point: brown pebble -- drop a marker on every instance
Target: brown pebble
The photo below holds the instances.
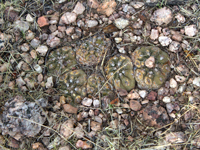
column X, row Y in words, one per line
column 152, row 96
column 70, row 109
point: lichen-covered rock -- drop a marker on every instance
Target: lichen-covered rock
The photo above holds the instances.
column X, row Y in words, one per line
column 91, row 51
column 119, row 70
column 22, row 118
column 74, row 85
column 61, row 60
column 95, row 83
column 150, row 77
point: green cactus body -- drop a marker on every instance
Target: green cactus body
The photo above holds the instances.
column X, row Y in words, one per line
column 119, row 70
column 91, row 51
column 74, row 85
column 96, row 83
column 61, row 60
column 150, row 77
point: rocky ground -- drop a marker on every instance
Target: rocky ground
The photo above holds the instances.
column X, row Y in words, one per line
column 99, row 74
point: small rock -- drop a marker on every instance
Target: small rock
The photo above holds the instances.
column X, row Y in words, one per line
column 29, row 18
column 68, row 18
column 67, row 128
column 70, row 109
column 13, row 143
column 25, row 47
column 155, row 116
column 122, row 92
column 95, row 126
column 196, row 81
column 118, row 39
column 4, row 67
column 29, row 35
column 49, row 83
column 42, row 21
column 40, row 78
column 150, row 62
column 180, row 18
column 173, row 83
column 93, row 4
column 162, row 16
column 54, row 143
column 177, row 37
column 33, row 54
column 107, row 7
column 114, row 124
column 174, row 46
column 152, row 96
column 38, row 68
column 96, row 103
column 164, row 40
column 191, row 30
column 38, row 146
column 65, row 148
column 119, row 111
column 79, row 8
column 180, row 79
column 35, row 43
column 91, row 23
column 23, row 26
column 20, row 82
column 133, row 95
column 166, row 99
column 137, row 5
column 143, row 93
column 188, row 115
column 135, row 105
column 154, row 34
column 83, row 144
column 42, row 50
column 87, row 102
column 183, row 70
column 175, row 137
column 53, row 28
column 69, row 30
column 79, row 132
column 121, row 23
column 53, row 41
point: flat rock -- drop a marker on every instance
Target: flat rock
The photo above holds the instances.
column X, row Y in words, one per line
column 42, row 21
column 68, row 18
column 83, row 144
column 174, row 46
column 135, row 105
column 96, row 126
column 42, row 50
column 67, row 128
column 155, row 116
column 79, row 8
column 154, row 34
column 152, row 96
column 87, row 102
column 121, row 23
column 196, row 81
column 70, row 109
column 91, row 23
column 164, row 40
column 191, row 30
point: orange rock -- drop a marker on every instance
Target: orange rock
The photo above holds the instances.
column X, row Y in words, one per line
column 70, row 109
column 107, row 7
column 43, row 21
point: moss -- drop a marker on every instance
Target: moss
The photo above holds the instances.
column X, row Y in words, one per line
column 119, row 70
column 150, row 78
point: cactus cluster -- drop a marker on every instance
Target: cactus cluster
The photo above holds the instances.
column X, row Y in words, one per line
column 119, row 70
column 91, row 51
column 61, row 60
column 152, row 67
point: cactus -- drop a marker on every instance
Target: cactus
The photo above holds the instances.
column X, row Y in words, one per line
column 152, row 67
column 91, row 51
column 119, row 70
column 95, row 83
column 61, row 60
column 74, row 85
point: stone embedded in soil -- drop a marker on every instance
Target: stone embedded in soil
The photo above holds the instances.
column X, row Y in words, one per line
column 25, row 47
column 135, row 105
column 53, row 41
column 107, row 7
column 166, row 99
column 42, row 50
column 49, row 83
column 42, row 21
column 114, row 124
column 177, row 37
column 79, row 8
column 23, row 26
column 180, row 79
column 174, row 46
column 79, row 132
column 68, row 18
column 122, row 92
column 152, row 96
column 176, row 137
column 143, row 93
column 67, row 128
column 29, row 18
column 70, row 109
column 196, row 81
column 133, row 95
column 191, row 30
column 180, row 18
column 162, row 16
column 83, row 144
column 164, row 40
column 96, row 126
column 21, row 108
column 96, row 103
column 154, row 34
column 87, row 102
column 173, row 83
column 93, row 3
column 35, row 43
column 155, row 116
column 183, row 70
column 121, row 23
column 91, row 23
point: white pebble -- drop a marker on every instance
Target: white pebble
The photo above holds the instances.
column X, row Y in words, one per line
column 166, row 99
